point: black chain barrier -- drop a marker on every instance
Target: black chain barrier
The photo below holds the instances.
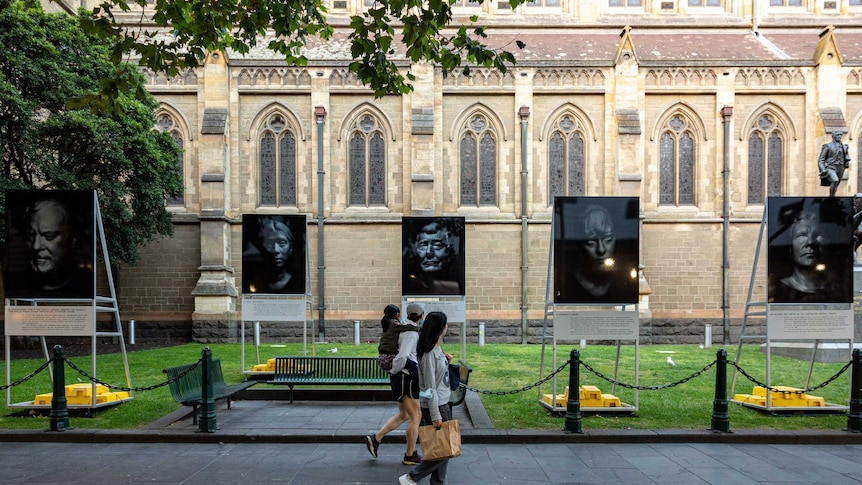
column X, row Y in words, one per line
column 806, row 390
column 28, row 377
column 654, row 387
column 648, row 388
column 479, row 391
column 127, row 389
column 525, row 388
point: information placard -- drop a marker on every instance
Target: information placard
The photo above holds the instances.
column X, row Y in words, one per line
column 796, row 322
column 596, row 325
column 455, row 310
column 273, row 309
column 51, row 321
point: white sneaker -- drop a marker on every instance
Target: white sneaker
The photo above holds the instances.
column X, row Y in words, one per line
column 405, row 480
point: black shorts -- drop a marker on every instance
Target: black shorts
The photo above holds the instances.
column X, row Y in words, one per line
column 404, row 385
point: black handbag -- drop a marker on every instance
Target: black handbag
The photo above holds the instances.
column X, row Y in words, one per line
column 454, row 377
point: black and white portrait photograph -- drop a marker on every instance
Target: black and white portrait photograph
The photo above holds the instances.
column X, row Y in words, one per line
column 273, row 254
column 810, row 250
column 49, row 244
column 596, row 250
column 432, row 256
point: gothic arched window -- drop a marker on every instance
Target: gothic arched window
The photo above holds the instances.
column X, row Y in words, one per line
column 478, row 155
column 566, row 158
column 277, row 163
column 165, row 122
column 676, row 162
column 367, row 162
column 765, row 159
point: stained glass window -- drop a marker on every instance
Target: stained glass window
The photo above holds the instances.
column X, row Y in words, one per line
column 765, row 159
column 755, row 168
column 165, row 122
column 277, row 163
column 478, row 154
column 367, row 163
column 676, row 163
column 566, row 159
column 469, row 169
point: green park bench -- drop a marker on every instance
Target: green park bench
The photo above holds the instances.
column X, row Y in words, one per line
column 186, row 385
column 346, row 371
column 328, row 371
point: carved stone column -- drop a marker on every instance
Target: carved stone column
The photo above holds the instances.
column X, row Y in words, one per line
column 215, row 318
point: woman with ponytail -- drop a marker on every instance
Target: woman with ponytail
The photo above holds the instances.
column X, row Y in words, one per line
column 433, row 377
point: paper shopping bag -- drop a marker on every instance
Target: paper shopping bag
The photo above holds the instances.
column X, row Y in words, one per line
column 440, row 444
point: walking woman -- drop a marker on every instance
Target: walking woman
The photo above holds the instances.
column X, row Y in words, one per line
column 400, row 339
column 434, row 375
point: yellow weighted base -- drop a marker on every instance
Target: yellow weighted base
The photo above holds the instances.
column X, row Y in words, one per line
column 780, row 396
column 268, row 367
column 82, row 394
column 590, row 397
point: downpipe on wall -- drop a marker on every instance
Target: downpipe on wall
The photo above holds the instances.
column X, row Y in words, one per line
column 320, row 115
column 524, row 114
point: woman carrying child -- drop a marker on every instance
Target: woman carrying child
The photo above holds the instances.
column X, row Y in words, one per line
column 398, row 349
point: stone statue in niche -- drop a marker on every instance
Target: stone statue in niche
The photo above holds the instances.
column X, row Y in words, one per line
column 834, row 158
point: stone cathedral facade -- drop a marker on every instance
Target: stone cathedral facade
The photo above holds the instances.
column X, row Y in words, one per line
column 700, row 108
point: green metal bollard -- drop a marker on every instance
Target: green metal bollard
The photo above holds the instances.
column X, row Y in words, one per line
column 207, row 417
column 573, row 405
column 854, row 415
column 720, row 415
column 59, row 418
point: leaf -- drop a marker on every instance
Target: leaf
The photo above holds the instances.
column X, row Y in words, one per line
column 199, row 27
column 94, row 129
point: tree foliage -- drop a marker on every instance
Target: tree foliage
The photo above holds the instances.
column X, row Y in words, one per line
column 47, row 64
column 201, row 26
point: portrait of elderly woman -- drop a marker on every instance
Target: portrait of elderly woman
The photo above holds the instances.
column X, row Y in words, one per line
column 49, row 244
column 810, row 250
column 596, row 250
column 273, row 256
column 432, row 256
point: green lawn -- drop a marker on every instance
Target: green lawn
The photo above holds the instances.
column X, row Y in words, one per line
column 504, row 374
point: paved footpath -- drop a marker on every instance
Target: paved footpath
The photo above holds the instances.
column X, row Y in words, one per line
column 342, row 463
column 309, row 443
